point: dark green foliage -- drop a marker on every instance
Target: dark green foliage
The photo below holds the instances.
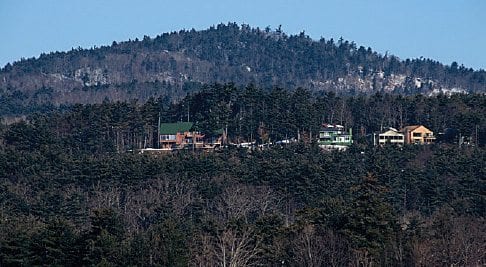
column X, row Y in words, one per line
column 369, row 220
column 103, row 243
column 73, row 190
column 55, row 244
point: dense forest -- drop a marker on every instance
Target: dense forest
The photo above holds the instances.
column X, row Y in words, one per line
column 74, row 191
column 264, row 115
column 173, row 64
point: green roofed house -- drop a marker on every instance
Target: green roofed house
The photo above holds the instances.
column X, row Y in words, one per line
column 333, row 136
column 178, row 135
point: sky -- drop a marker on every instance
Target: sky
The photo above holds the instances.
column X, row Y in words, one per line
column 443, row 30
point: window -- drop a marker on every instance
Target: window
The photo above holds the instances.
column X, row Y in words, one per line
column 167, row 137
column 417, row 134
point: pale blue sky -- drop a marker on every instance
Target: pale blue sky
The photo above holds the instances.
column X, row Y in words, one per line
column 443, row 30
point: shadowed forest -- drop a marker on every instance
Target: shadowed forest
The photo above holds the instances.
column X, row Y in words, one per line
column 74, row 191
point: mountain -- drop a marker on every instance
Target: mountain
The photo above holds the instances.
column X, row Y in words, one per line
column 173, row 64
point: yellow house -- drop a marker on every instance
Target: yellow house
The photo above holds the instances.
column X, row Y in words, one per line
column 418, row 134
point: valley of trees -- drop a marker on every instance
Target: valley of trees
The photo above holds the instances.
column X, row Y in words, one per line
column 73, row 190
column 173, row 64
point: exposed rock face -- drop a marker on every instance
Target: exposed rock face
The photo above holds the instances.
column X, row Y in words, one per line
column 378, row 82
column 163, row 66
column 91, row 76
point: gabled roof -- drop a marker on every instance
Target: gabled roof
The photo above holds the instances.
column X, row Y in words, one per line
column 409, row 128
column 413, row 128
column 391, row 133
column 176, row 127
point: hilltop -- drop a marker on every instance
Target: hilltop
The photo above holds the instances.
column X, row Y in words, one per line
column 172, row 64
column 75, row 191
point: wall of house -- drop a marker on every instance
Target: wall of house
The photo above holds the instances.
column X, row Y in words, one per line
column 393, row 139
column 418, row 135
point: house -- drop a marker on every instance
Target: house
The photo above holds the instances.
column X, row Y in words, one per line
column 418, row 134
column 179, row 135
column 392, row 136
column 334, row 136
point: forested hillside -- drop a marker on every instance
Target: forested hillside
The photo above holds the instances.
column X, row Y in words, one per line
column 68, row 198
column 76, row 191
column 255, row 114
column 172, row 64
column 73, row 190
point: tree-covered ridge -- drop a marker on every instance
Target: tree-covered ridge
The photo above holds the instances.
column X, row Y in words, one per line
column 73, row 190
column 296, row 204
column 225, row 53
column 255, row 114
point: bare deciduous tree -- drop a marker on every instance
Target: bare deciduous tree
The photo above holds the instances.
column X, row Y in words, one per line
column 230, row 248
column 320, row 249
column 451, row 241
column 242, row 202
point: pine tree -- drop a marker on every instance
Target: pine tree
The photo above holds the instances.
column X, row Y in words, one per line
column 370, row 221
